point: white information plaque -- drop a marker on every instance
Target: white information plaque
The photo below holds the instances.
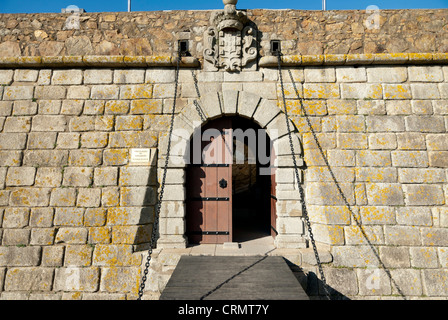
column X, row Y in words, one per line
column 140, row 155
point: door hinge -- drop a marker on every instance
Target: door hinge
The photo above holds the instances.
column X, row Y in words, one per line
column 213, row 165
column 209, row 233
column 208, row 199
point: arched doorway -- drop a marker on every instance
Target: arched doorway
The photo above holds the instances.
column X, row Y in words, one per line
column 263, row 112
column 229, row 182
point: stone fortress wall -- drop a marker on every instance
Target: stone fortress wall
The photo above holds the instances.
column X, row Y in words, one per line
column 76, row 215
column 156, row 33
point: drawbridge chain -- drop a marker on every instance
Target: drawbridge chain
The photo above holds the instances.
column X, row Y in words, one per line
column 195, row 102
column 338, row 187
column 301, row 191
column 162, row 187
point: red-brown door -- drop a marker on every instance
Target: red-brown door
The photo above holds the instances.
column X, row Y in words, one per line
column 209, row 187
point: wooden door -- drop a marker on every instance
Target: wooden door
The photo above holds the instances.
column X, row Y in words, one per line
column 209, row 187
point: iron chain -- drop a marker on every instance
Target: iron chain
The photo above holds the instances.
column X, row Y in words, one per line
column 155, row 227
column 301, row 191
column 338, row 187
column 195, row 102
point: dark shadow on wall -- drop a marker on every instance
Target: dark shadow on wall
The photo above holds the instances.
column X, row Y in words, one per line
column 148, row 207
column 312, row 285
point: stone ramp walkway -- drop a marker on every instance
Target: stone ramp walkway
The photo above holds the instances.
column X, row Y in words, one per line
column 233, row 278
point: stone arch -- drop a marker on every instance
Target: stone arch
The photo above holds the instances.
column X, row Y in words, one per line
column 268, row 116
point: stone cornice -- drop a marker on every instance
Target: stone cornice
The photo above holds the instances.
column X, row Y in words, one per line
column 191, row 62
column 96, row 61
column 355, row 59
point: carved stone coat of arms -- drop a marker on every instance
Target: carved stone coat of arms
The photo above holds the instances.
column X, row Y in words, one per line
column 230, row 43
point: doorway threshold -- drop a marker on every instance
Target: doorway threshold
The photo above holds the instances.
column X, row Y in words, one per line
column 255, row 247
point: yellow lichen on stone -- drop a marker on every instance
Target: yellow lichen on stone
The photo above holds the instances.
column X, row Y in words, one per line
column 396, row 91
column 135, row 61
column 159, row 60
column 8, row 61
column 321, row 91
column 335, row 59
column 116, row 107
column 146, row 106
column 29, row 61
column 296, row 59
column 420, row 57
column 440, row 57
column 377, row 215
column 72, row 60
column 137, row 91
column 115, row 157
column 100, row 235
column 113, row 255
column 364, row 234
column 103, row 60
column 390, row 58
column 360, row 58
column 330, row 234
column 312, row 60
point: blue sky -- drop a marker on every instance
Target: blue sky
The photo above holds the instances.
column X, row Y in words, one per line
column 33, row 6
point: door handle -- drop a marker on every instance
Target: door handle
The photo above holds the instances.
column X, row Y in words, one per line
column 223, row 183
